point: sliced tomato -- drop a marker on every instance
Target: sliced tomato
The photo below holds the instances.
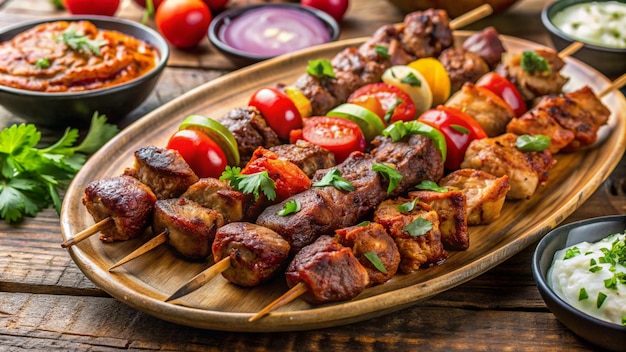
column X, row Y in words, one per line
column 217, row 132
column 506, row 90
column 459, row 130
column 398, row 105
column 279, row 111
column 370, row 123
column 204, row 156
column 288, row 178
column 340, row 136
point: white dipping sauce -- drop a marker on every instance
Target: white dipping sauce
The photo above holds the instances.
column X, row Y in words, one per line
column 599, row 23
column 584, row 274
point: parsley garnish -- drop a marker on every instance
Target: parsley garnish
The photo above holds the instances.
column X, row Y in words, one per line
column 375, row 260
column 411, row 80
column 291, row 206
column 82, row 43
column 428, row 185
column 382, row 51
column 363, row 223
column 42, row 63
column 320, row 68
column 32, row 177
column 333, row 178
column 407, row 207
column 418, row 227
column 390, row 174
column 250, row 183
column 532, row 62
column 534, row 143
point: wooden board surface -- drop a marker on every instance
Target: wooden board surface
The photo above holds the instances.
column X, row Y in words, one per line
column 145, row 282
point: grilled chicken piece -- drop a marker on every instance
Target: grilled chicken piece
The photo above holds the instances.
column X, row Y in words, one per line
column 492, row 113
column 570, row 120
column 329, row 270
column 462, row 66
column 250, row 131
column 372, row 239
column 417, row 248
column 256, row 253
column 218, row 195
column 307, row 156
column 451, row 207
column 486, row 44
column 485, row 193
column 499, row 157
column 325, row 209
column 163, row 170
column 190, row 227
column 536, row 84
column 125, row 200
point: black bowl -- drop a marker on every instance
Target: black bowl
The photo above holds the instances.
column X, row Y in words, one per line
column 599, row 332
column 609, row 61
column 242, row 58
column 64, row 109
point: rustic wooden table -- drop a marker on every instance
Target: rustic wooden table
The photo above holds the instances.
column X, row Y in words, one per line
column 46, row 303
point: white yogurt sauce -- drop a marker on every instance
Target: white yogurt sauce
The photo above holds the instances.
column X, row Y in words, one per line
column 599, row 23
column 580, row 279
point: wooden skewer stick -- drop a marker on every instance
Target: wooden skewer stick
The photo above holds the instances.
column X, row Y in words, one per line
column 146, row 247
column 570, row 49
column 293, row 293
column 471, row 16
column 617, row 84
column 199, row 280
column 100, row 225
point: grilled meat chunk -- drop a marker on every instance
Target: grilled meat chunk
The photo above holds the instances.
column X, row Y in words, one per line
column 451, row 207
column 484, row 193
column 417, row 248
column 462, row 66
column 416, row 158
column 492, row 113
column 315, row 90
column 426, row 33
column 571, row 120
column 128, row 202
column 352, row 71
column 387, row 36
column 256, row 253
column 325, row 209
column 163, row 170
column 486, row 44
column 250, row 130
column 499, row 156
column 371, row 239
column 534, row 84
column 218, row 195
column 329, row 270
column 307, row 156
column 190, row 227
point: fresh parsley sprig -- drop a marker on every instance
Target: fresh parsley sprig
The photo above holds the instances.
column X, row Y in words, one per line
column 320, row 68
column 333, row 178
column 250, row 183
column 533, row 63
column 82, row 43
column 32, row 177
column 389, row 173
column 292, row 206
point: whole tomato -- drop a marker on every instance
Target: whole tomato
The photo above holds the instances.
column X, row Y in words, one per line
column 216, row 5
column 279, row 111
column 91, row 7
column 335, row 8
column 204, row 156
column 184, row 23
column 155, row 3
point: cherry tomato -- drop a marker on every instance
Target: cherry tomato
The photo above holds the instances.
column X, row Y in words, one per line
column 459, row 130
column 184, row 23
column 90, row 7
column 279, row 111
column 340, row 136
column 155, row 3
column 216, row 5
column 335, row 8
column 390, row 97
column 203, row 155
column 505, row 90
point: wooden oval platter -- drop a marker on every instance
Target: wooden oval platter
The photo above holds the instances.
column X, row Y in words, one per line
column 146, row 282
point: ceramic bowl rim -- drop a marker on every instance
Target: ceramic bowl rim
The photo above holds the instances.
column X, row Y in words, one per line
column 329, row 22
